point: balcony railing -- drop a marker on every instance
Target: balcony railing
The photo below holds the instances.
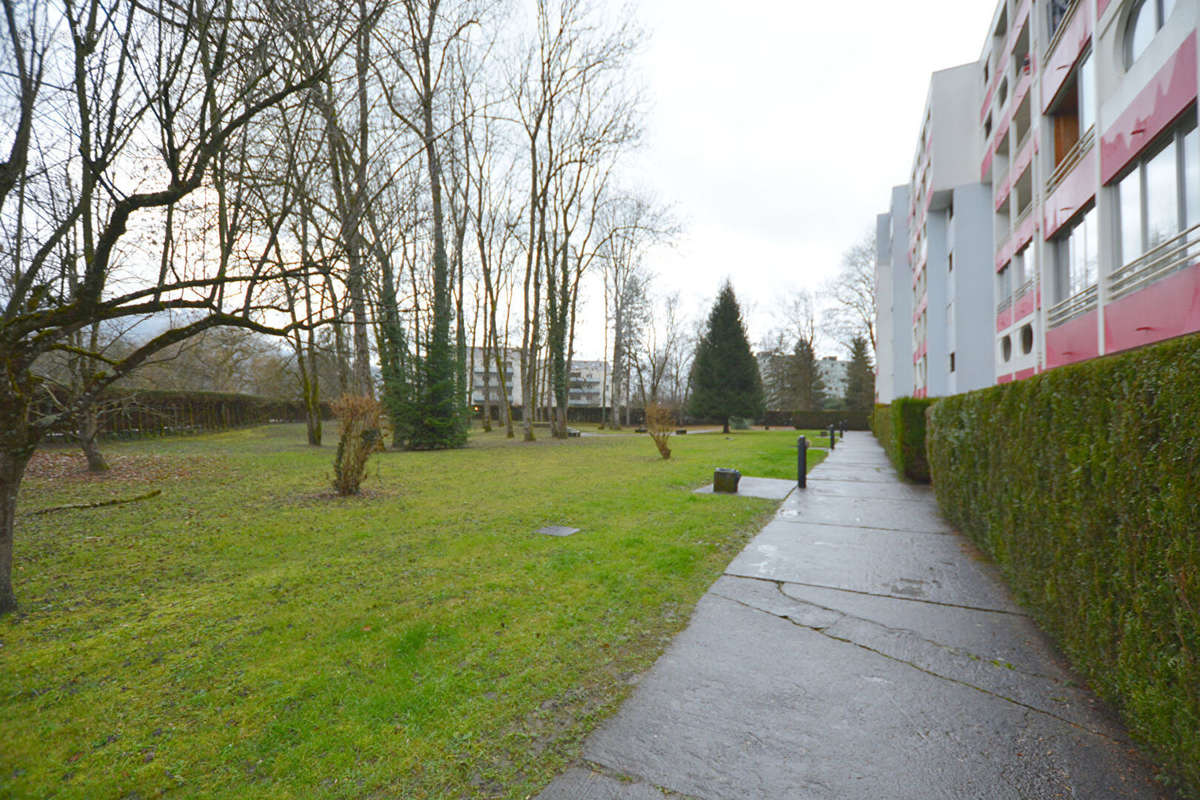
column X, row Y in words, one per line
column 1024, row 215
column 1176, row 253
column 1004, row 305
column 1063, row 23
column 1072, row 159
column 1072, row 307
column 1024, row 289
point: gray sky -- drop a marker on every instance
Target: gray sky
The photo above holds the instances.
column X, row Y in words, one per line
column 777, row 128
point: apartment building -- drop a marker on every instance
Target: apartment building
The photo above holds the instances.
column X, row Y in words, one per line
column 1095, row 159
column 944, row 264
column 893, row 301
column 587, row 380
column 1087, row 115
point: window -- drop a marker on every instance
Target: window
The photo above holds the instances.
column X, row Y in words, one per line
column 1006, row 348
column 1058, row 10
column 1027, row 338
column 1146, row 19
column 952, row 362
column 1076, row 257
column 1160, row 196
column 1004, row 285
column 951, row 259
column 1074, row 111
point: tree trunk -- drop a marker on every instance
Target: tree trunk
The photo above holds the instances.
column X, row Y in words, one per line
column 12, row 468
column 725, row 425
column 89, row 428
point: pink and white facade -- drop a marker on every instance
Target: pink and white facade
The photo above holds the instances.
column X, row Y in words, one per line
column 1088, row 118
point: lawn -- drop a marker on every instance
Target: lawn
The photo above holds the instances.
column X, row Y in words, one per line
column 247, row 634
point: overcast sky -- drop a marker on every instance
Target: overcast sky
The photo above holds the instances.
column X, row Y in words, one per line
column 776, row 129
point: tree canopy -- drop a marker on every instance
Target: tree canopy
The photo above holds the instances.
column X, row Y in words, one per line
column 725, row 378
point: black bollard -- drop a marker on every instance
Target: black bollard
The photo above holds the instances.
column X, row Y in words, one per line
column 832, row 438
column 802, row 462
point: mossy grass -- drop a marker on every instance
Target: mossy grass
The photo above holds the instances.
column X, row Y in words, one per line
column 249, row 634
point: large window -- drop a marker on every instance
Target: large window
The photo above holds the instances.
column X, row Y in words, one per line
column 1076, row 257
column 1160, row 197
column 1146, row 19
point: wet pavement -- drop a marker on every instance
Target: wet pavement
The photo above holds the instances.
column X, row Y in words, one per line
column 858, row 648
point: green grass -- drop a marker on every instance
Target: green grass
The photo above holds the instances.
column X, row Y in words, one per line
column 247, row 634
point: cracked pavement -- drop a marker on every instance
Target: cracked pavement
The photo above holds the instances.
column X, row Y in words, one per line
column 858, row 647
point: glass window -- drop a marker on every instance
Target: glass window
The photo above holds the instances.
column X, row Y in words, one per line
column 1141, row 30
column 1078, row 258
column 1162, row 196
column 1145, row 20
column 1130, row 192
column 1191, row 176
column 1087, row 94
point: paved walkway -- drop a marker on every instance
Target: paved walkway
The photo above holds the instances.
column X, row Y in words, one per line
column 858, row 648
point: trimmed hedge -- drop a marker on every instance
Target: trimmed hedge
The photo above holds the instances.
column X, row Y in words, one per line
column 1083, row 483
column 900, row 428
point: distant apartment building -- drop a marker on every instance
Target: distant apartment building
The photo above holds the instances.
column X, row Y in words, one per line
column 834, row 374
column 1087, row 116
column 587, row 380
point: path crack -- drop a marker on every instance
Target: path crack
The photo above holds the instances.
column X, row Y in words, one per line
column 826, row 632
column 875, row 594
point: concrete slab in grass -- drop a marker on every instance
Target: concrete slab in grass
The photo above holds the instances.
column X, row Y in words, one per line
column 767, row 488
column 557, row 530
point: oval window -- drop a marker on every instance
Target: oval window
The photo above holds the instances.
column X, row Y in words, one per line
column 1027, row 339
column 1006, row 348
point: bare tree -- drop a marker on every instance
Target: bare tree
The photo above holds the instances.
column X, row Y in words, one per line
column 144, row 102
column 853, row 292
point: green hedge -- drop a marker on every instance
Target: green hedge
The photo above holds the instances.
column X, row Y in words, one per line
column 1084, row 484
column 900, row 428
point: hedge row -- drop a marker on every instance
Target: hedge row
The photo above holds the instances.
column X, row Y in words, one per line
column 130, row 414
column 900, row 428
column 1084, row 484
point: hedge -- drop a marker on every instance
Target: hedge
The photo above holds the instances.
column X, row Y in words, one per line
column 1083, row 483
column 125, row 413
column 900, row 428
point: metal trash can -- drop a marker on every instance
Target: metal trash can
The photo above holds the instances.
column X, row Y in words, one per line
column 726, row 480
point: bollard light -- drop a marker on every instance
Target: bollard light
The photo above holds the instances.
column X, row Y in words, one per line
column 802, row 462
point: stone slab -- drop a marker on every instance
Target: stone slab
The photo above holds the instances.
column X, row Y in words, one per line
column 557, row 530
column 862, row 512
column 767, row 488
column 747, row 705
column 914, row 566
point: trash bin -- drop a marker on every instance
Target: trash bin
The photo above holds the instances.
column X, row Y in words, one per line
column 726, row 480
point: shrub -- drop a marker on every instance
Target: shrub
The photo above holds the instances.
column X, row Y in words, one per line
column 821, row 420
column 659, row 424
column 900, row 428
column 359, row 436
column 1082, row 483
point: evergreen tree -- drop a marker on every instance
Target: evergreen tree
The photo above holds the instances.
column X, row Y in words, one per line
column 860, row 377
column 725, row 379
column 806, row 387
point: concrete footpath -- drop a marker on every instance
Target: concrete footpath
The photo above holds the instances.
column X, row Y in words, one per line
column 858, row 648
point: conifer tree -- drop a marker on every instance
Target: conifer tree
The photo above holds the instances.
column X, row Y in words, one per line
column 860, row 377
column 725, row 378
column 806, row 386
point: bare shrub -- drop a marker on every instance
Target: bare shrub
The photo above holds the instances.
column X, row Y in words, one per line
column 358, row 418
column 660, row 422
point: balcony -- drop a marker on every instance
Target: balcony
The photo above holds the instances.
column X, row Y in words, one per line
column 1072, row 307
column 1063, row 23
column 1176, row 253
column 1071, row 160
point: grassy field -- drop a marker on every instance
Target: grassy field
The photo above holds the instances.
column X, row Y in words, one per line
column 248, row 634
